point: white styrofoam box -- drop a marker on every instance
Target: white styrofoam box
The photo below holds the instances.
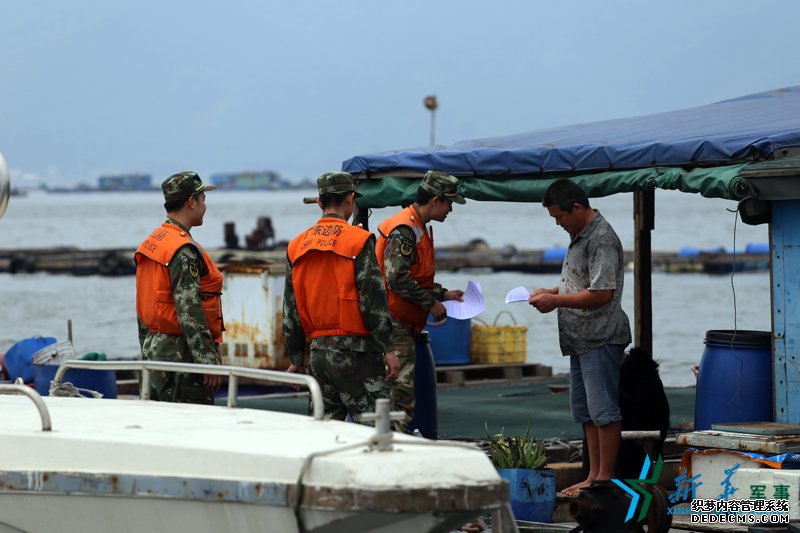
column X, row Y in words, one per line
column 711, row 467
column 745, row 478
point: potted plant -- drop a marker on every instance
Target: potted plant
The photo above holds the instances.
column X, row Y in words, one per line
column 522, row 461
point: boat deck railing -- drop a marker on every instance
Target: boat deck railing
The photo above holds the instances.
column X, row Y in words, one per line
column 24, row 390
column 234, row 373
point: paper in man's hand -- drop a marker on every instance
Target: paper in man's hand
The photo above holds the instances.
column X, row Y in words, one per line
column 472, row 305
column 518, row 294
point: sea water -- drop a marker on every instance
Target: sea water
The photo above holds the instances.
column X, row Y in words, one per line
column 102, row 309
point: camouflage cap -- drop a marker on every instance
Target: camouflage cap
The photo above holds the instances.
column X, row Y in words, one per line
column 336, row 183
column 183, row 185
column 442, row 185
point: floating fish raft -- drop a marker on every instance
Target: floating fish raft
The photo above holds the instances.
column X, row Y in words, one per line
column 119, row 261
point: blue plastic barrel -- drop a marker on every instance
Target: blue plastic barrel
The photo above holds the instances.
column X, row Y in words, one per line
column 735, row 379
column 531, row 493
column 102, row 381
column 688, row 251
column 554, row 254
column 19, row 358
column 450, row 341
column 425, row 416
column 757, row 248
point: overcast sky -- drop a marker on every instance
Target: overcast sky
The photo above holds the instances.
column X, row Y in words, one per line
column 94, row 87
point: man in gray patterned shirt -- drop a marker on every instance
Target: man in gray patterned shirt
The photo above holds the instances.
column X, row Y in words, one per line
column 593, row 330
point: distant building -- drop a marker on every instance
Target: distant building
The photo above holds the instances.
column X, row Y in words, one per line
column 125, row 182
column 250, row 181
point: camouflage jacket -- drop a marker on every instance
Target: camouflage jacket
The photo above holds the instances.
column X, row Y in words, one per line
column 397, row 267
column 374, row 308
column 196, row 345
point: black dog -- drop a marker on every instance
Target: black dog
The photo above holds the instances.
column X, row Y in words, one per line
column 644, row 406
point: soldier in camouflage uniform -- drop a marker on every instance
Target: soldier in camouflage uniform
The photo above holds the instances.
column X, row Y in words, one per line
column 335, row 297
column 405, row 251
column 178, row 296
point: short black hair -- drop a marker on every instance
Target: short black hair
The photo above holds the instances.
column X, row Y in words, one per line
column 423, row 196
column 175, row 205
column 565, row 193
column 333, row 199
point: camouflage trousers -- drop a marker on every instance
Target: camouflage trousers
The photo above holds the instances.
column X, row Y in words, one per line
column 350, row 381
column 179, row 387
column 402, row 393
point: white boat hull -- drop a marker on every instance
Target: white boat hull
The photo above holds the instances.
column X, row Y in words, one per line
column 45, row 513
column 132, row 465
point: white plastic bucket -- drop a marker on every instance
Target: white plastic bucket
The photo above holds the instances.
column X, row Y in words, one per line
column 54, row 354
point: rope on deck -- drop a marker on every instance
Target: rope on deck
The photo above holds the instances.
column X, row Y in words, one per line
column 68, row 390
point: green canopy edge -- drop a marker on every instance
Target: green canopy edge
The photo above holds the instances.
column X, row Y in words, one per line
column 714, row 182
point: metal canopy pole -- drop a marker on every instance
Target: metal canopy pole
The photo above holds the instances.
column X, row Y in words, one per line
column 644, row 223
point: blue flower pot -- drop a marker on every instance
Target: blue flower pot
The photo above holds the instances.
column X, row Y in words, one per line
column 532, row 493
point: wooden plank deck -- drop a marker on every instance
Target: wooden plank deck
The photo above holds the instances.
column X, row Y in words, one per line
column 461, row 374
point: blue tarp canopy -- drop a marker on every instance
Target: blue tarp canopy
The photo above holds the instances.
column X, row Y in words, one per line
column 705, row 150
column 742, row 129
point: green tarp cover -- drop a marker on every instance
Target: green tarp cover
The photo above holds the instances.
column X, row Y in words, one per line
column 716, row 182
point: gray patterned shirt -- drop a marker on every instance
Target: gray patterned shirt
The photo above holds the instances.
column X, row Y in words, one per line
column 594, row 261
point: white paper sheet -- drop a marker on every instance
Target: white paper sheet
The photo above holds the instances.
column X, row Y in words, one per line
column 472, row 305
column 518, row 294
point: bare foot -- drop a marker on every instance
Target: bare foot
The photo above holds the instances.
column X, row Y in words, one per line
column 575, row 490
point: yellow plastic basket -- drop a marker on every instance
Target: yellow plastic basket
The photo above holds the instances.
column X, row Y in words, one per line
column 498, row 344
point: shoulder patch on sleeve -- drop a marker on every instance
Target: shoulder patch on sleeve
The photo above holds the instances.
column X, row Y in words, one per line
column 406, row 247
column 194, row 269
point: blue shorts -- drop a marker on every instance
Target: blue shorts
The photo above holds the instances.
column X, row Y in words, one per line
column 594, row 385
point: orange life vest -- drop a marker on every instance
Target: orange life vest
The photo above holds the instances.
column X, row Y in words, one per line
column 155, row 305
column 324, row 278
column 422, row 269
